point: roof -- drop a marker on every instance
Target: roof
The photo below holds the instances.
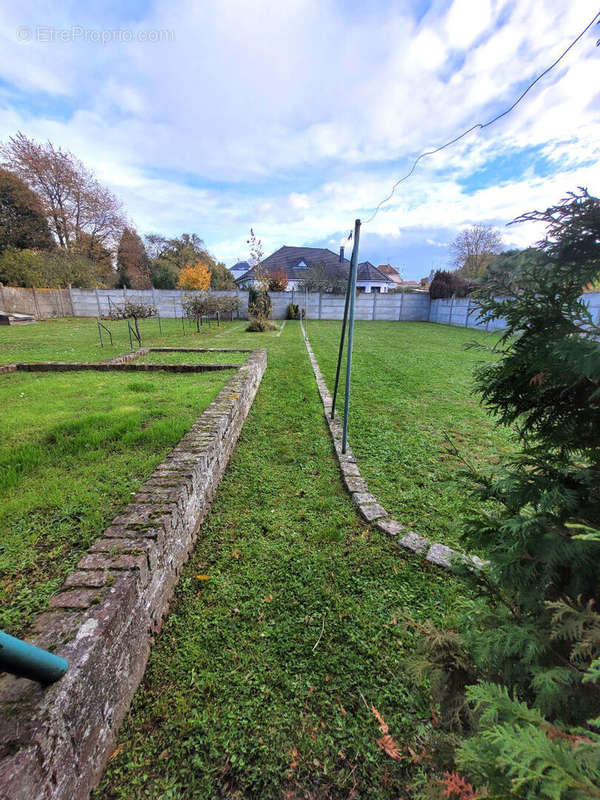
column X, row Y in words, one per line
column 292, row 261
column 390, row 272
column 241, row 265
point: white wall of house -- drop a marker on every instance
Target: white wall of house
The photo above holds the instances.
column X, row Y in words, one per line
column 372, row 286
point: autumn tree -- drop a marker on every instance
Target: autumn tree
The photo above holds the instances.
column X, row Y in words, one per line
column 22, row 221
column 194, row 277
column 133, row 265
column 278, row 281
column 474, row 248
column 74, row 202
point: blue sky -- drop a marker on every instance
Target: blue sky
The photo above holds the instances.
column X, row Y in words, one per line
column 295, row 118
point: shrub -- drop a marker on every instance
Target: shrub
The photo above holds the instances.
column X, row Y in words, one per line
column 449, row 284
column 293, row 311
column 532, row 635
column 259, row 303
column 260, row 325
column 134, row 311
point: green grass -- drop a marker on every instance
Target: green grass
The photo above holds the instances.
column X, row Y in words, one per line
column 412, row 402
column 193, row 358
column 255, row 685
column 77, row 339
column 74, row 448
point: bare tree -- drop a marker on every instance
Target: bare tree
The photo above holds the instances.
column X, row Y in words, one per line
column 76, row 205
column 474, row 248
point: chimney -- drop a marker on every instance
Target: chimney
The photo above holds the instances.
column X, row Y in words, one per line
column 342, row 254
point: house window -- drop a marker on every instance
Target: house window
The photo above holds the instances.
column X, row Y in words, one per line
column 301, row 265
column 376, row 289
column 360, row 289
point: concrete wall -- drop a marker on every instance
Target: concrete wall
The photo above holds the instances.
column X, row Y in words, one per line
column 40, row 303
column 369, row 306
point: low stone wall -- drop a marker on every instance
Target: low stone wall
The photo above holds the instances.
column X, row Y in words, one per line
column 55, row 741
column 367, row 504
column 114, row 366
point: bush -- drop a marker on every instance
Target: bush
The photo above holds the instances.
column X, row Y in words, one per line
column 259, row 303
column 532, row 635
column 293, row 311
column 260, row 325
column 134, row 311
column 449, row 284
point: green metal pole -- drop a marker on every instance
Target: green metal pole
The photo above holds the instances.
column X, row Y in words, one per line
column 27, row 661
column 341, row 350
column 353, row 271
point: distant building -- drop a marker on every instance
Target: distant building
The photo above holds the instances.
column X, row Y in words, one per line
column 295, row 261
column 391, row 273
column 239, row 269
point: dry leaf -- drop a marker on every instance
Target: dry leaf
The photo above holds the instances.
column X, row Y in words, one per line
column 236, row 554
column 116, row 752
column 294, row 761
column 383, row 726
column 389, row 746
column 268, row 598
column 163, row 755
column 203, row 577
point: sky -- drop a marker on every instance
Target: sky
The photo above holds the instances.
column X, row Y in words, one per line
column 295, row 118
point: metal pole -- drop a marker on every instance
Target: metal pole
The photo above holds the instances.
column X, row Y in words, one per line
column 353, row 269
column 100, row 332
column 27, row 661
column 341, row 350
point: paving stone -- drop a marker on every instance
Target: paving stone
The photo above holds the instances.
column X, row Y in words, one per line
column 412, row 541
column 441, row 555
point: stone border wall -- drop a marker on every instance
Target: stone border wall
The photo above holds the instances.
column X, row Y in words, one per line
column 113, row 366
column 55, row 741
column 367, row 504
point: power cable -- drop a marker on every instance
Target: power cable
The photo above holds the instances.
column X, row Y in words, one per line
column 481, row 125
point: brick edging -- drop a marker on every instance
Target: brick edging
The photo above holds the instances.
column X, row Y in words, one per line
column 368, row 506
column 113, row 366
column 55, row 741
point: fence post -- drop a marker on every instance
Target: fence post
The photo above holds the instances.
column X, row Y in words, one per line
column 98, row 302
column 467, row 314
column 451, row 307
column 35, row 302
column 2, row 300
column 401, row 311
column 373, row 304
column 320, row 299
column 71, row 301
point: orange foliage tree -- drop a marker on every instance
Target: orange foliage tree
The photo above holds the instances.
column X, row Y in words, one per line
column 194, row 276
column 278, row 281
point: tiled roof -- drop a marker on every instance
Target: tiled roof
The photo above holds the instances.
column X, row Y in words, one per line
column 289, row 258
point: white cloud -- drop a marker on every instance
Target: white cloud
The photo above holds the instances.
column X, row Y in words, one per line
column 296, row 117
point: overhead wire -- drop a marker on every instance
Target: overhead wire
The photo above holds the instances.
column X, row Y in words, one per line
column 481, row 125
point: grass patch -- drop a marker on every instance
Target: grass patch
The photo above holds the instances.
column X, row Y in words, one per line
column 74, row 448
column 412, row 386
column 255, row 685
column 76, row 339
column 194, row 358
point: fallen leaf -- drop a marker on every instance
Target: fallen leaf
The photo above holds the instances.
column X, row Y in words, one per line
column 383, row 726
column 236, row 554
column 163, row 755
column 268, row 598
column 203, row 577
column 116, row 751
column 389, row 746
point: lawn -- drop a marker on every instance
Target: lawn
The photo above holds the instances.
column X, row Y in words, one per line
column 412, row 407
column 260, row 682
column 74, row 447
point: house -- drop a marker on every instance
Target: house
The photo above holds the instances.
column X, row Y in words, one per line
column 296, row 261
column 391, row 273
column 239, row 269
